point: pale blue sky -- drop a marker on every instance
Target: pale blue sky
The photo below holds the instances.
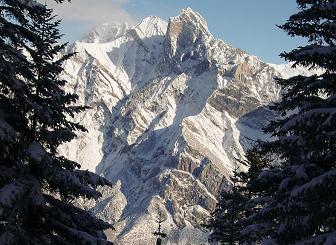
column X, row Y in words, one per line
column 245, row 24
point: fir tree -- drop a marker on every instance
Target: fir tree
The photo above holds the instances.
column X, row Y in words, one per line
column 38, row 187
column 225, row 224
column 254, row 228
column 301, row 187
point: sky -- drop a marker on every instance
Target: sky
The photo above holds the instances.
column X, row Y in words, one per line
column 246, row 24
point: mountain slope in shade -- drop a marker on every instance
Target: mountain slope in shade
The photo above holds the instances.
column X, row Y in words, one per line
column 172, row 107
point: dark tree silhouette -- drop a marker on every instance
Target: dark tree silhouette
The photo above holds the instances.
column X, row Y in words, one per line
column 225, row 224
column 38, row 187
column 159, row 234
column 301, row 186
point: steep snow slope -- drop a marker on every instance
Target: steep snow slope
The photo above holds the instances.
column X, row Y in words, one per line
column 286, row 70
column 172, row 107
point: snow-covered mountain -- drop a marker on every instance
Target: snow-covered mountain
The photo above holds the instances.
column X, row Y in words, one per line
column 172, row 107
column 106, row 32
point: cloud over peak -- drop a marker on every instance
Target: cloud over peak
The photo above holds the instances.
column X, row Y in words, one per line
column 90, row 11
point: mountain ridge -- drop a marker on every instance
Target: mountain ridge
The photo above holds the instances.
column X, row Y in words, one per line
column 172, row 108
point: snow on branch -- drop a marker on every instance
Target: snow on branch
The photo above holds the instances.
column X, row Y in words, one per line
column 312, row 50
column 326, row 239
column 31, row 3
column 304, row 117
column 92, row 179
column 12, row 193
column 7, row 133
column 36, row 152
column 325, row 179
column 327, row 6
column 69, row 180
column 7, row 237
column 6, row 174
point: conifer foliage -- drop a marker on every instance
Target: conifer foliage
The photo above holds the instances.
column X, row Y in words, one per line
column 302, row 185
column 38, row 187
column 291, row 183
column 233, row 221
column 256, row 194
column 225, row 225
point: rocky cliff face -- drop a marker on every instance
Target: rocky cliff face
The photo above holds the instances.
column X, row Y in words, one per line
column 172, row 107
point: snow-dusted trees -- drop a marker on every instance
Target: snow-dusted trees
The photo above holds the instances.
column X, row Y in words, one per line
column 301, row 186
column 293, row 194
column 254, row 229
column 233, row 221
column 225, row 225
column 38, row 187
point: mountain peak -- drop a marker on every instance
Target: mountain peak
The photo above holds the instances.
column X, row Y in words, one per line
column 151, row 26
column 106, row 32
column 186, row 35
column 188, row 15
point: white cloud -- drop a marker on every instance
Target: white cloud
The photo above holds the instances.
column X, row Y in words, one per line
column 93, row 11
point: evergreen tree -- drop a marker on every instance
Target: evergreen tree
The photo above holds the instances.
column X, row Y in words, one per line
column 225, row 224
column 255, row 228
column 301, row 187
column 38, row 187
